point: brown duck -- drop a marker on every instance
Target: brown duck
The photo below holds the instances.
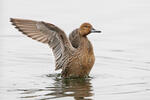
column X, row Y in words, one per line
column 74, row 56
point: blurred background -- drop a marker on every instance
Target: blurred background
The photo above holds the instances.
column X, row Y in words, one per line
column 122, row 52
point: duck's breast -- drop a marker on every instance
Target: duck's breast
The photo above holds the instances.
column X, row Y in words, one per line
column 87, row 55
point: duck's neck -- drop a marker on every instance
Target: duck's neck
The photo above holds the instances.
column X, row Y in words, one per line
column 83, row 41
column 85, row 44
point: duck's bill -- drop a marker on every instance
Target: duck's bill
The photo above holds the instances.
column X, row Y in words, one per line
column 95, row 31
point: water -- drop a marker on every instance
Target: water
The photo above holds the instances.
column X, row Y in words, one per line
column 27, row 73
column 122, row 67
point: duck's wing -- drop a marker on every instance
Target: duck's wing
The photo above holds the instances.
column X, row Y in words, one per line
column 74, row 38
column 47, row 33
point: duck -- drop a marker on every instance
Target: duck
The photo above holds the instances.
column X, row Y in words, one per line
column 74, row 55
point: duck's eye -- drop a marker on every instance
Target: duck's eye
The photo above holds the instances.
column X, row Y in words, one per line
column 87, row 26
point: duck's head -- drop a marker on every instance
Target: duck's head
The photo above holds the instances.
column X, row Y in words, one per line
column 87, row 28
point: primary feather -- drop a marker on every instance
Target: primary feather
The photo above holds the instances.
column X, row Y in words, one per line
column 47, row 33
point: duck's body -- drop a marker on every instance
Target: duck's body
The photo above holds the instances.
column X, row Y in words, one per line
column 82, row 60
column 74, row 56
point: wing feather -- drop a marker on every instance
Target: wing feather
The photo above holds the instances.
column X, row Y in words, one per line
column 47, row 33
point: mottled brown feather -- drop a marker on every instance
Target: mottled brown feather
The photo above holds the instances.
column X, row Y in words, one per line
column 46, row 33
column 74, row 56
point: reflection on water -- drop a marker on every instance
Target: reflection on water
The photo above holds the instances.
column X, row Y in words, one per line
column 76, row 88
column 116, row 73
column 122, row 67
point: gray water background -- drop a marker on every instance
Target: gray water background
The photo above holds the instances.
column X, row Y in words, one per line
column 122, row 67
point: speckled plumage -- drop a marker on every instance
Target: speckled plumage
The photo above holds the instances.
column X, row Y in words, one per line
column 74, row 56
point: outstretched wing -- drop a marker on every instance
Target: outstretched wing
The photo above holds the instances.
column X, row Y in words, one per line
column 74, row 38
column 47, row 33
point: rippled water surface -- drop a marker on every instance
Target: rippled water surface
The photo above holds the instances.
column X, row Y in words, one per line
column 27, row 73
column 122, row 67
